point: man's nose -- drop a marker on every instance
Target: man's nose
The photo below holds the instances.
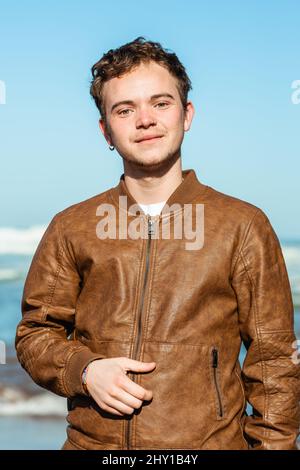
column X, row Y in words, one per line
column 145, row 117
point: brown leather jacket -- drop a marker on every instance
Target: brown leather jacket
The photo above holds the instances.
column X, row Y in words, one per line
column 151, row 299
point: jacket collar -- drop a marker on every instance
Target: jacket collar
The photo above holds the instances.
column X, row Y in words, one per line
column 185, row 193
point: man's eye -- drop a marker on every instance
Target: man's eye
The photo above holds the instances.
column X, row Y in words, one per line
column 124, row 112
column 162, row 102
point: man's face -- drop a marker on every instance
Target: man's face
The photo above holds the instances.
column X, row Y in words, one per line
column 162, row 118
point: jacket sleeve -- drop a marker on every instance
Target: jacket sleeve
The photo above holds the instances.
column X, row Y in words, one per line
column 271, row 371
column 48, row 305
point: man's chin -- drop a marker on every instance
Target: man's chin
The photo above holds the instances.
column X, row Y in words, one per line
column 151, row 163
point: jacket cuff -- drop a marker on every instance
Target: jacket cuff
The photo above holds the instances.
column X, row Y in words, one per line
column 72, row 379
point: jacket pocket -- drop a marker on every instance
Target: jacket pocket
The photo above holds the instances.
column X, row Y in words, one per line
column 216, row 378
column 181, row 414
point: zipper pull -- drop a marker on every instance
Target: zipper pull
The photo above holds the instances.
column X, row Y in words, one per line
column 150, row 227
column 215, row 358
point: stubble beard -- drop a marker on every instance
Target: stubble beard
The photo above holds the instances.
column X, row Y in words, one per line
column 162, row 164
column 167, row 161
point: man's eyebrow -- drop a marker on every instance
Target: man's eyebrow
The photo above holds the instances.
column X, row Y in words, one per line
column 158, row 95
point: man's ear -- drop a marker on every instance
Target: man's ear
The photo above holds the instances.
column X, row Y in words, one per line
column 188, row 115
column 103, row 128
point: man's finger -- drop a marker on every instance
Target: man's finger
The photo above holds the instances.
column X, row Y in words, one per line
column 136, row 390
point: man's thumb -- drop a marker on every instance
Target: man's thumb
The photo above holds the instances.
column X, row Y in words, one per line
column 138, row 366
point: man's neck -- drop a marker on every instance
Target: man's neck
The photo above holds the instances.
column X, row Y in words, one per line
column 147, row 188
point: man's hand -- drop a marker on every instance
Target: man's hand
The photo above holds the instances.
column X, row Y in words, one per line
column 110, row 387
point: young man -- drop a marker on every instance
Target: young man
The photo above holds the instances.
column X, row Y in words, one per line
column 137, row 325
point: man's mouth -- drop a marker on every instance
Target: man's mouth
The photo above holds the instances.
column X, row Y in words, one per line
column 149, row 139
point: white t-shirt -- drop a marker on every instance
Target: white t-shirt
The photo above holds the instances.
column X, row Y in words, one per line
column 152, row 209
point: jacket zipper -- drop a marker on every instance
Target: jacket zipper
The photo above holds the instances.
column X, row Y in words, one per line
column 139, row 332
column 215, row 363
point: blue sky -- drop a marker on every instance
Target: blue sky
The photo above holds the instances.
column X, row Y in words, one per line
column 242, row 58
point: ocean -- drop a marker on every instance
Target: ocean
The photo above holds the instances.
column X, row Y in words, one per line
column 30, row 416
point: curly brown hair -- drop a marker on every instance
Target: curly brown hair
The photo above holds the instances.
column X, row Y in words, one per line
column 117, row 62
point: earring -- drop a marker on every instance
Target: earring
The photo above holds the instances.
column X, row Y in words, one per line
column 111, row 147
